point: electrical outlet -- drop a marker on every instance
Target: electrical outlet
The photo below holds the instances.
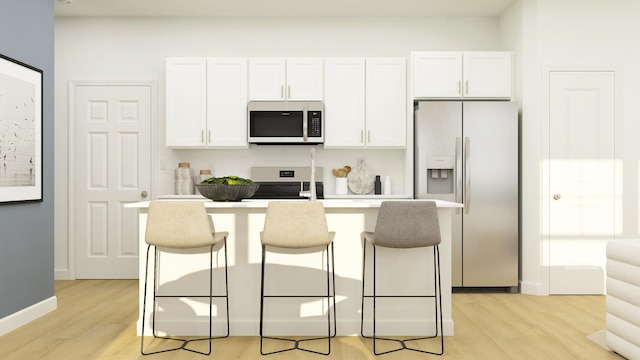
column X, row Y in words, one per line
column 163, row 164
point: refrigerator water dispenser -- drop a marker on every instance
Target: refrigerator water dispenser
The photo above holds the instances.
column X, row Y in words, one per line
column 440, row 174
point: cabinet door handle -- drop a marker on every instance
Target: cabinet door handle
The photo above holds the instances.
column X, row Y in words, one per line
column 368, row 136
column 288, row 91
column 460, row 87
column 209, row 137
column 466, row 84
column 281, row 91
column 202, row 136
column 362, row 136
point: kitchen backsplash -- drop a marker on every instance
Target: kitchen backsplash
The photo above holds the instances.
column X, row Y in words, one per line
column 239, row 161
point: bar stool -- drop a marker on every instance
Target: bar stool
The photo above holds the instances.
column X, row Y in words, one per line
column 405, row 225
column 182, row 225
column 298, row 225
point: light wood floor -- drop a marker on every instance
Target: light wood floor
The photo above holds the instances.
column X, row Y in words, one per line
column 96, row 319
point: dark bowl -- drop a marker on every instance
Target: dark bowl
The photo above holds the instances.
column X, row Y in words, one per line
column 223, row 192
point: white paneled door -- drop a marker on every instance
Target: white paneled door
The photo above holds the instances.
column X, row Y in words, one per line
column 582, row 168
column 112, row 168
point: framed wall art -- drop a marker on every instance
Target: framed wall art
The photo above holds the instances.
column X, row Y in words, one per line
column 20, row 131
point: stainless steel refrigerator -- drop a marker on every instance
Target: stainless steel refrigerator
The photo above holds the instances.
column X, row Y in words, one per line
column 467, row 152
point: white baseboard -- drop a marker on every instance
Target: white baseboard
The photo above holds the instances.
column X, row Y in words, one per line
column 63, row 274
column 25, row 316
column 533, row 288
column 577, row 280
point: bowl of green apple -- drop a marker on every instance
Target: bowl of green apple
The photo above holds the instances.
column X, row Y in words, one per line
column 228, row 188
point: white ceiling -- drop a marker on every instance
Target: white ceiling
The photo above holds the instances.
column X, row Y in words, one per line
column 368, row 8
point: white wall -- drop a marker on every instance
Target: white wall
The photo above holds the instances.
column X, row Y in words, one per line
column 603, row 35
column 586, row 34
column 135, row 49
column 512, row 39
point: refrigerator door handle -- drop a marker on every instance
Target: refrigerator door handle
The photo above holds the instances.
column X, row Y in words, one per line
column 458, row 171
column 467, row 176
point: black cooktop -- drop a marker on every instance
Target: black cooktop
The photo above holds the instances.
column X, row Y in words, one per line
column 285, row 190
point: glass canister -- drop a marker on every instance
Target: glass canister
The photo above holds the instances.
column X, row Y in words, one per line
column 387, row 185
column 204, row 174
column 184, row 179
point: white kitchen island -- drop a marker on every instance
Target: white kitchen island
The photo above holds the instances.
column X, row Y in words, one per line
column 303, row 273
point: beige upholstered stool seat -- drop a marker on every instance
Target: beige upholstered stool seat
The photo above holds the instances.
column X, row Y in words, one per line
column 296, row 224
column 182, row 225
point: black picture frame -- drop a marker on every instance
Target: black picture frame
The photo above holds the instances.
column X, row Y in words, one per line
column 21, row 114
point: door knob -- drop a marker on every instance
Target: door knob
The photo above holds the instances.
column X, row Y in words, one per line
column 556, row 197
column 144, row 194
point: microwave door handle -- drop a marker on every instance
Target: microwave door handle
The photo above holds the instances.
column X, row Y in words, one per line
column 305, row 123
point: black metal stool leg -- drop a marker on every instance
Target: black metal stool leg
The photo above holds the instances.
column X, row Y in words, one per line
column 437, row 304
column 333, row 273
column 330, row 299
column 144, row 300
column 364, row 256
column 184, row 342
column 226, row 286
column 437, row 288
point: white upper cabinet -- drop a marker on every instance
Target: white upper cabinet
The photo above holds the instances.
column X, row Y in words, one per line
column 487, row 74
column 227, row 102
column 293, row 79
column 304, row 79
column 473, row 75
column 437, row 74
column 386, row 109
column 186, row 103
column 206, row 101
column 365, row 102
column 267, row 77
column 344, row 102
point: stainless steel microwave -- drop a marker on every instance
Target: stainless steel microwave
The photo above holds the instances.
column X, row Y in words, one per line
column 285, row 122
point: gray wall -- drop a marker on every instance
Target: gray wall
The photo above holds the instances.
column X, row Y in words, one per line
column 26, row 229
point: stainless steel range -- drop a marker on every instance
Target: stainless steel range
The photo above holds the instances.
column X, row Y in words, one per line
column 285, row 182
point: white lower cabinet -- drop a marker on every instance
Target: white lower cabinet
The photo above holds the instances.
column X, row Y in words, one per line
column 365, row 102
column 206, row 100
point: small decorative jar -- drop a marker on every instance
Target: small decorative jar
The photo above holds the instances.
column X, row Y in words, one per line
column 204, row 174
column 184, row 179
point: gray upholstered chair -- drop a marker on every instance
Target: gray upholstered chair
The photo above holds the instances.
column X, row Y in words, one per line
column 404, row 225
column 182, row 225
column 298, row 225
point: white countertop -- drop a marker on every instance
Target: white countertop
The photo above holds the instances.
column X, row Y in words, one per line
column 260, row 204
